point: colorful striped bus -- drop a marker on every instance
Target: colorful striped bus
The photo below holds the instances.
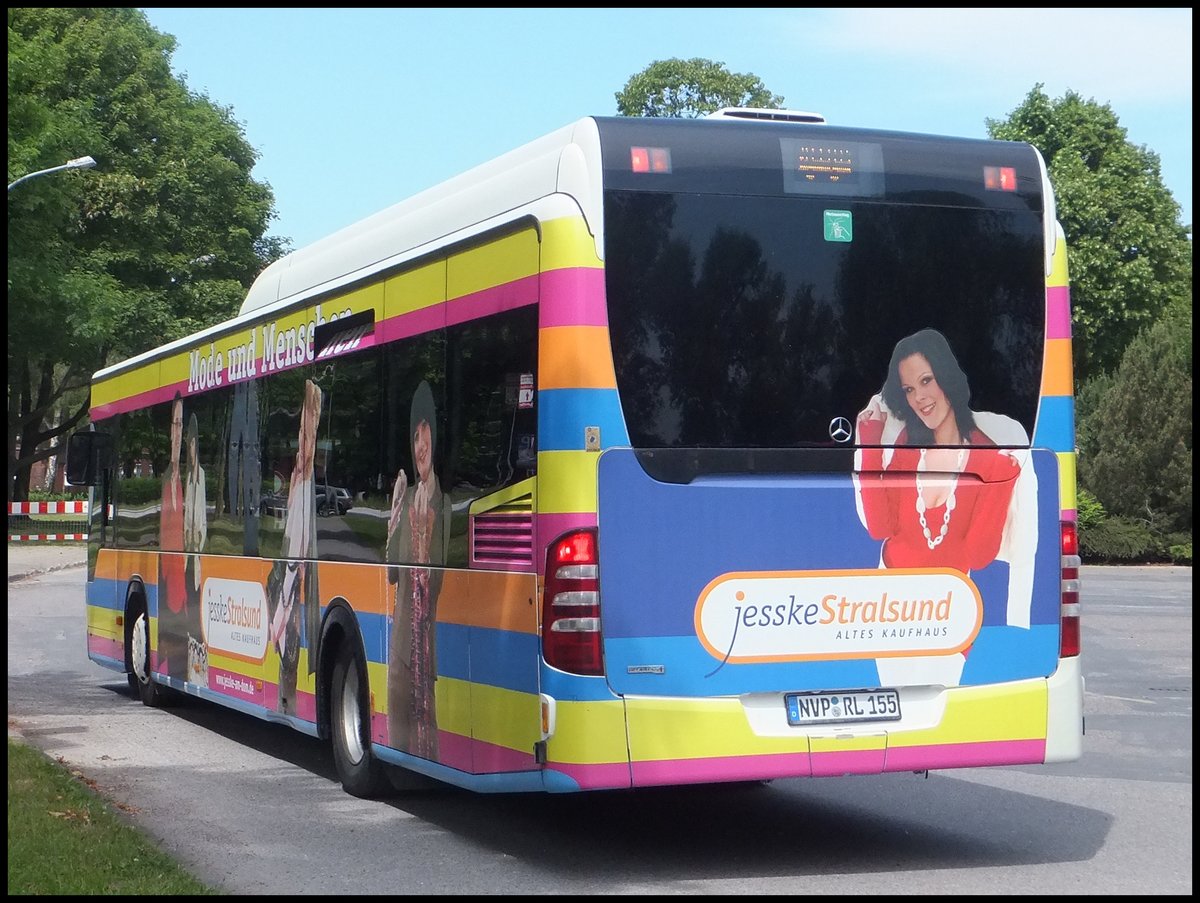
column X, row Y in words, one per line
column 654, row 452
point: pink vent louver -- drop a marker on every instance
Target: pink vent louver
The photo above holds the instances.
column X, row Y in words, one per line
column 502, row 539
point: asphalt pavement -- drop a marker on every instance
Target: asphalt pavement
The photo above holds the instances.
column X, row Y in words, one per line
column 28, row 558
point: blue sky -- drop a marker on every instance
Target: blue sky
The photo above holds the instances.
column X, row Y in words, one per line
column 353, row 110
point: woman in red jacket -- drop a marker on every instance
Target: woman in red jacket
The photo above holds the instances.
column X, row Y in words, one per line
column 936, row 489
column 940, row 497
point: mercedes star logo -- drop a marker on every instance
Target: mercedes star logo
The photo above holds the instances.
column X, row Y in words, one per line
column 839, row 429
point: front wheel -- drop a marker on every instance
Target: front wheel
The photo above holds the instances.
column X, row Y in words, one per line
column 151, row 693
column 360, row 772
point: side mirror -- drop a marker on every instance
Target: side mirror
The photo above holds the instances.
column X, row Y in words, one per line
column 88, row 455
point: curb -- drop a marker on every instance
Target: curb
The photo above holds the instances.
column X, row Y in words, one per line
column 36, row 572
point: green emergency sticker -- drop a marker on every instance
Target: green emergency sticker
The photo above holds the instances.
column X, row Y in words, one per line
column 839, row 225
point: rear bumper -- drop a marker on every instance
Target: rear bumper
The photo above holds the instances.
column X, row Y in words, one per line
column 688, row 741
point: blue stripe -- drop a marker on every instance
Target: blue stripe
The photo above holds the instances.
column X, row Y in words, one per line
column 503, row 658
column 1002, row 654
column 108, row 594
column 1056, row 424
column 681, row 656
column 574, row 687
column 563, row 414
column 509, row 782
column 105, row 662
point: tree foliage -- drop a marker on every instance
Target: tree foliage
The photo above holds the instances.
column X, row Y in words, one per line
column 161, row 238
column 1136, row 456
column 1130, row 256
column 691, row 88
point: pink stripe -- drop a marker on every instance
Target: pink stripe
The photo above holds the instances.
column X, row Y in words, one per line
column 243, row 688
column 548, row 527
column 104, row 646
column 490, row 758
column 966, row 755
column 509, row 296
column 721, row 768
column 465, row 754
column 416, row 322
column 1070, row 515
column 573, row 297
column 612, row 776
column 851, row 761
column 1058, row 312
column 139, row 401
column 455, row 751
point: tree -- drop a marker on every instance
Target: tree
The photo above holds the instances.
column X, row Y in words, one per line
column 691, row 88
column 163, row 237
column 1136, row 455
column 1129, row 255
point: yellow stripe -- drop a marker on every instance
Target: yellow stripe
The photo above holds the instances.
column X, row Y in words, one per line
column 495, row 263
column 1068, row 500
column 103, row 622
column 503, row 717
column 567, row 243
column 588, row 733
column 701, row 728
column 123, row 385
column 1057, row 378
column 575, row 357
column 566, row 482
column 369, row 297
column 415, row 289
column 1058, row 265
column 980, row 714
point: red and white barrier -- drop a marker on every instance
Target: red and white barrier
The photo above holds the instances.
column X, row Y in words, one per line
column 17, row 509
column 48, row 537
column 47, row 508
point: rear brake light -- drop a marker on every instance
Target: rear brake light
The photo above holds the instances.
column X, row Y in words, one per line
column 1069, row 620
column 571, row 605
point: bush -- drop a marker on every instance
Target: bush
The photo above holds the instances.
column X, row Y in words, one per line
column 1181, row 553
column 71, row 495
column 1117, row 539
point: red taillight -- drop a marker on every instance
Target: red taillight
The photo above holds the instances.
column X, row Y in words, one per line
column 1069, row 620
column 571, row 605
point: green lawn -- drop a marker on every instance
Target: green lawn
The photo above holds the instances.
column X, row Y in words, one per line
column 64, row 839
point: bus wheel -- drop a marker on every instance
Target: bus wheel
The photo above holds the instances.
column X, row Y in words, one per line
column 151, row 693
column 360, row 772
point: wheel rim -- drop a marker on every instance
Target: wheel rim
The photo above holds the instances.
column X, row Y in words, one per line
column 351, row 720
column 141, row 648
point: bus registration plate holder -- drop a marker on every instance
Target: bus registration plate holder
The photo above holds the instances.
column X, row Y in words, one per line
column 842, row 707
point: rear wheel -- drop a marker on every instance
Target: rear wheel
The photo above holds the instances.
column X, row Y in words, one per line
column 151, row 693
column 360, row 772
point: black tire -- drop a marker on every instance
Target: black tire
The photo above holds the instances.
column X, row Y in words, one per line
column 361, row 774
column 151, row 694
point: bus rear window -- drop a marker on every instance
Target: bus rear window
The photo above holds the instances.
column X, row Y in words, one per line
column 758, row 322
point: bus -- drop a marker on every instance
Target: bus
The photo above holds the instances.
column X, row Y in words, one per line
column 671, row 452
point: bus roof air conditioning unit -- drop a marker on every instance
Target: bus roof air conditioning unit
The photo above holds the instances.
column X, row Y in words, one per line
column 767, row 115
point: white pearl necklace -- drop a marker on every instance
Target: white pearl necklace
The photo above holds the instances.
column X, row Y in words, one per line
column 950, row 501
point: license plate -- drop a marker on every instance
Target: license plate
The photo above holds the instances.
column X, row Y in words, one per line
column 842, row 706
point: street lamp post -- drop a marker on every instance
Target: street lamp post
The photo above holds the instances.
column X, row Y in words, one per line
column 77, row 163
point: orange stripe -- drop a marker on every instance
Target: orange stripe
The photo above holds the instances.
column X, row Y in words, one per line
column 1057, row 378
column 489, row 599
column 575, row 357
column 364, row 586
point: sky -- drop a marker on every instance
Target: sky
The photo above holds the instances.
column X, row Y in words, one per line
column 353, row 110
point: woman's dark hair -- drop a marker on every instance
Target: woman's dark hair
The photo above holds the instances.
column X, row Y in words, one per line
column 423, row 409
column 932, row 345
column 191, row 440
